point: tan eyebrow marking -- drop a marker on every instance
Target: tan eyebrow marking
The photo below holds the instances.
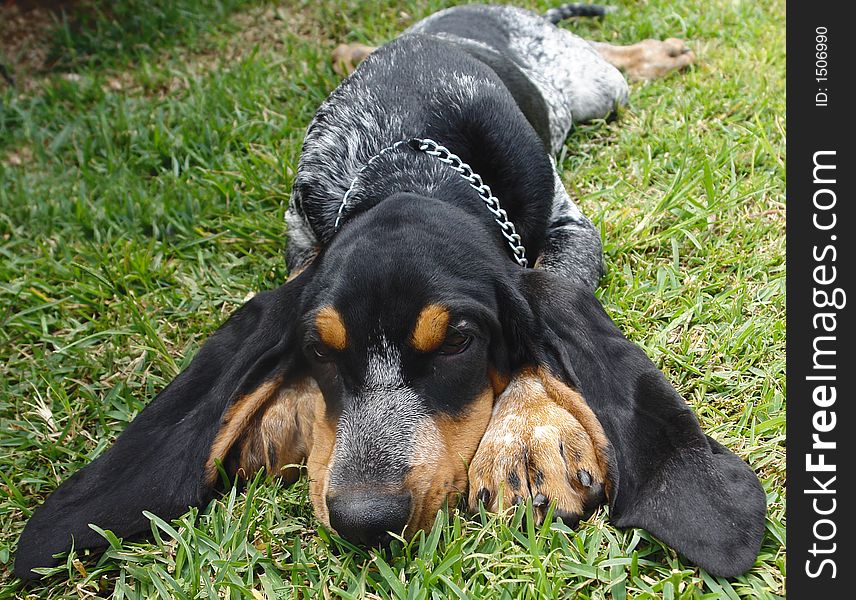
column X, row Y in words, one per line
column 430, row 329
column 331, row 328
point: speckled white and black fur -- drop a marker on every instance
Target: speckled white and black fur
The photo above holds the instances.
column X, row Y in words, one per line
column 374, row 431
column 434, row 80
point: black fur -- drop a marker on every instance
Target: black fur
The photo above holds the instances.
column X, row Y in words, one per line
column 570, row 10
column 468, row 23
column 158, row 462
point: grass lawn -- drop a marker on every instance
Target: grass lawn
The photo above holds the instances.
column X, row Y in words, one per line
column 144, row 175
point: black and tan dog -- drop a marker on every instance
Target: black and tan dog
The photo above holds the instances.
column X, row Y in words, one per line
column 413, row 357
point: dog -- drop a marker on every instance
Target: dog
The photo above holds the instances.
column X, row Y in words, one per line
column 438, row 338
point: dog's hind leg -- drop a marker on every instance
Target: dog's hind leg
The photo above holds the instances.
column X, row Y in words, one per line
column 573, row 246
column 578, row 84
column 648, row 59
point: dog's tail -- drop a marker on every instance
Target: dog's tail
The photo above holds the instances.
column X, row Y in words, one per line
column 566, row 11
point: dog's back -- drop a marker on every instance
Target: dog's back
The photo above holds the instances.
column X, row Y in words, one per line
column 499, row 86
column 417, row 86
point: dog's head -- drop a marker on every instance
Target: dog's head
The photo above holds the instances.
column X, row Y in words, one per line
column 410, row 327
column 408, row 323
column 379, row 365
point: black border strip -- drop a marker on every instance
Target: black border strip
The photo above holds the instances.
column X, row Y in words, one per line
column 819, row 276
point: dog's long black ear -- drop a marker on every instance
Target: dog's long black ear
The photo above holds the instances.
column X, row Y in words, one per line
column 162, row 461
column 672, row 480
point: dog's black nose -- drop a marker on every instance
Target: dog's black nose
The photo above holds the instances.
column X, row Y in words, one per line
column 365, row 517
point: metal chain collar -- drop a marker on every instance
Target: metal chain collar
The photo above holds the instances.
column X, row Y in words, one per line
column 444, row 155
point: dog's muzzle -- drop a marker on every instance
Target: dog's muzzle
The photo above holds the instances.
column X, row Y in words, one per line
column 367, row 517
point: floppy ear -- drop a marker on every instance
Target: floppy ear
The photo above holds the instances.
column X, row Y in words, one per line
column 518, row 329
column 673, row 480
column 163, row 461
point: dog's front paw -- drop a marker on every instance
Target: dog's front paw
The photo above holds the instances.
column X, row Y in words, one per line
column 543, row 442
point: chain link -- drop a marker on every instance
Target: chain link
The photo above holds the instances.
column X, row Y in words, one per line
column 444, row 155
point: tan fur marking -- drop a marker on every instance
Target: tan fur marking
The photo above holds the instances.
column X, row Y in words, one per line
column 235, row 422
column 430, row 329
column 443, row 448
column 498, row 381
column 281, row 432
column 575, row 404
column 319, row 465
column 331, row 328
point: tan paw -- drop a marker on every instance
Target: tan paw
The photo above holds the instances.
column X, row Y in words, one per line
column 657, row 59
column 543, row 443
column 648, row 59
column 346, row 57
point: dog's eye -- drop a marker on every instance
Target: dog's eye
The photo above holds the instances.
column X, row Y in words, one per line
column 321, row 353
column 456, row 342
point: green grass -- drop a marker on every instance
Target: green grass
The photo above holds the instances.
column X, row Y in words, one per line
column 150, row 202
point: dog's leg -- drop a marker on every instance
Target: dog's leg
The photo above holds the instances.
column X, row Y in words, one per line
column 544, row 443
column 572, row 248
column 648, row 59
